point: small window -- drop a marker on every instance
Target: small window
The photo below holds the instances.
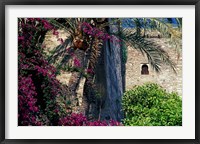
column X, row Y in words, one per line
column 145, row 69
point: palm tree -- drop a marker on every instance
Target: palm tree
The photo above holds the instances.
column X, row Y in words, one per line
column 89, row 48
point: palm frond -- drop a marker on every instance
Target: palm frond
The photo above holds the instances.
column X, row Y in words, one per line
column 59, row 51
column 166, row 29
column 175, row 34
column 155, row 54
column 58, row 24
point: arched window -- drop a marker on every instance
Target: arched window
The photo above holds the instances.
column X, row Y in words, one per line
column 145, row 69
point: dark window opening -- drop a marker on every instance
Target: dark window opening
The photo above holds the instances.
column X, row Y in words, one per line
column 145, row 69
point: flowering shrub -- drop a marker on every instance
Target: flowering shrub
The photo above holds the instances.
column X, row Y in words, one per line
column 80, row 120
column 38, row 88
column 27, row 102
column 95, row 32
column 40, row 95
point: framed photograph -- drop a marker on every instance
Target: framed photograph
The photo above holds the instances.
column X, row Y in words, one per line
column 99, row 71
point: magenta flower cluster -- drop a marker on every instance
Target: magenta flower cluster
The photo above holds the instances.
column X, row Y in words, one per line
column 38, row 88
column 37, row 84
column 89, row 71
column 80, row 120
column 77, row 62
column 27, row 98
column 46, row 24
column 95, row 32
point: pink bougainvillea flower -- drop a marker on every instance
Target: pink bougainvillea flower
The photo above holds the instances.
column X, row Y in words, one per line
column 90, row 71
column 77, row 62
column 47, row 25
column 30, row 104
column 95, row 32
column 86, row 27
column 20, row 37
column 55, row 32
column 35, row 109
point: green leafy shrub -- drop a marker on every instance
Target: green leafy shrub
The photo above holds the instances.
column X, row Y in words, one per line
column 151, row 105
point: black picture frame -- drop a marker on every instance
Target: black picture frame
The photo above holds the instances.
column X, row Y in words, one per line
column 3, row 3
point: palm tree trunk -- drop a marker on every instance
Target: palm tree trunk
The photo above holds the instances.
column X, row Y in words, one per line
column 114, row 86
column 109, row 82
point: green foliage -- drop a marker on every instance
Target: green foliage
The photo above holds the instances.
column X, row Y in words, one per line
column 151, row 105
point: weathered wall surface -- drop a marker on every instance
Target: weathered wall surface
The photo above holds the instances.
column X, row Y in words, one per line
column 49, row 44
column 166, row 78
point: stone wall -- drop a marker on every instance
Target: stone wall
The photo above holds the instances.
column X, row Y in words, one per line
column 49, row 44
column 166, row 78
